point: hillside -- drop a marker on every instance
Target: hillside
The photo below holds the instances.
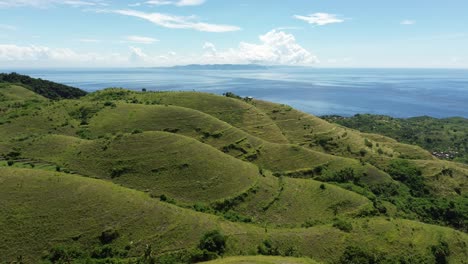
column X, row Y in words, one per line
column 119, row 176
column 445, row 138
column 45, row 88
column 56, row 214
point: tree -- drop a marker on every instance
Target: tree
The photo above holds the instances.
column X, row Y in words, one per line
column 213, row 241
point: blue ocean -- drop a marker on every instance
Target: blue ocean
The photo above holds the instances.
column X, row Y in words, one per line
column 395, row 92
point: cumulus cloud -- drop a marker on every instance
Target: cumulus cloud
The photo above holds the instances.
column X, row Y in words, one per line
column 176, row 22
column 141, row 39
column 32, row 53
column 48, row 3
column 320, row 19
column 408, row 22
column 177, row 3
column 275, row 47
column 41, row 55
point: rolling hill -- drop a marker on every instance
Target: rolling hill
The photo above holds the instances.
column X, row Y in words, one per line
column 119, row 176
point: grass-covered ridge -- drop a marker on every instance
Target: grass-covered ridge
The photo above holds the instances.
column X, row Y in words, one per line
column 183, row 177
column 446, row 138
column 45, row 88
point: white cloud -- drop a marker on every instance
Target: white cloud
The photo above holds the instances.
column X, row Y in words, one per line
column 45, row 56
column 210, row 48
column 408, row 22
column 86, row 40
column 141, row 39
column 177, row 22
column 320, row 19
column 137, row 55
column 48, row 3
column 276, row 47
column 32, row 53
column 177, row 3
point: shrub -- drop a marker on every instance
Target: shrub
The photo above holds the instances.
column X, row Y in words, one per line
column 409, row 174
column 441, row 252
column 10, row 163
column 110, row 104
column 363, row 152
column 368, row 143
column 343, row 225
column 343, row 176
column 137, row 131
column 108, row 235
column 213, row 242
column 118, row 171
column 232, row 95
column 267, row 248
column 356, row 255
column 199, row 255
column 62, row 254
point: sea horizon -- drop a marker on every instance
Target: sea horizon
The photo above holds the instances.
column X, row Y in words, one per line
column 396, row 92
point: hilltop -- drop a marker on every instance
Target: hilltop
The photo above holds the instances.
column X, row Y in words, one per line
column 45, row 88
column 119, row 176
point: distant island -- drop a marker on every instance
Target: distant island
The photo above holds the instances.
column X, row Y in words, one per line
column 220, row 67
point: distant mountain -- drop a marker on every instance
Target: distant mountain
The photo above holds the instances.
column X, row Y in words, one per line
column 221, row 67
column 45, row 88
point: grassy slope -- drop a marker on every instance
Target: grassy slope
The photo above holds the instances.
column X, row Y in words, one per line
column 163, row 163
column 10, row 93
column 59, row 118
column 157, row 162
column 441, row 135
column 235, row 112
column 45, row 88
column 262, row 260
column 45, row 209
column 313, row 132
column 209, row 130
column 307, row 131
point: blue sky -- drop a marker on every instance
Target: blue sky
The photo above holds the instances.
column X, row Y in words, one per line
column 319, row 33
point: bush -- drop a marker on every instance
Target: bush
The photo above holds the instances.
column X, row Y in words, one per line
column 62, row 254
column 343, row 176
column 356, row 255
column 441, row 252
column 137, row 131
column 409, row 174
column 199, row 255
column 343, row 225
column 363, row 152
column 10, row 163
column 267, row 248
column 213, row 242
column 108, row 235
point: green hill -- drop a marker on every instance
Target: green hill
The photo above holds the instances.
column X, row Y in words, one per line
column 45, row 88
column 193, row 174
column 13, row 93
column 49, row 214
column 446, row 138
column 119, row 176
